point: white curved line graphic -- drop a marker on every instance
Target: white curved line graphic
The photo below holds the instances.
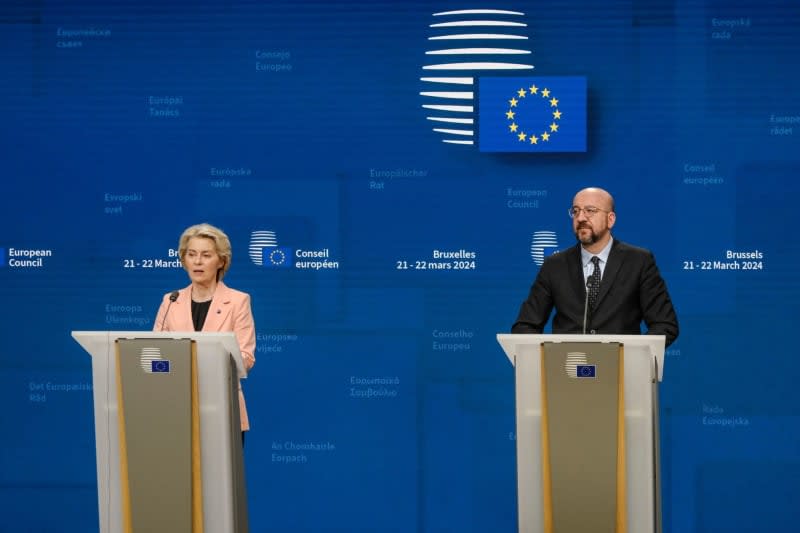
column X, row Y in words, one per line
column 477, row 12
column 460, row 81
column 455, row 141
column 478, row 66
column 469, row 133
column 452, row 120
column 456, row 51
column 459, row 95
column 456, row 108
column 477, row 36
column 462, row 23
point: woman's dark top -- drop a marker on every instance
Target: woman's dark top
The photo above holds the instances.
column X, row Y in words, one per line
column 199, row 313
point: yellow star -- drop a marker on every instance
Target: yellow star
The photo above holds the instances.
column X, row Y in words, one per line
column 557, row 114
column 521, row 93
column 534, row 89
column 545, row 136
column 553, row 127
column 513, row 102
column 534, row 139
column 553, row 102
column 513, row 127
column 521, row 136
column 509, row 114
column 545, row 93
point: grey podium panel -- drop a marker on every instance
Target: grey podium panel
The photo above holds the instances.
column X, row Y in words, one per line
column 581, row 387
column 155, row 404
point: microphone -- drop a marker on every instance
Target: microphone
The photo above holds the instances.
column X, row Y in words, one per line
column 586, row 303
column 172, row 297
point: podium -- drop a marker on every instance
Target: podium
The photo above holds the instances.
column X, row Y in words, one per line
column 167, row 431
column 587, row 432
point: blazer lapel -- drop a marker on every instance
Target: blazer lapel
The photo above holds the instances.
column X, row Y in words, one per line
column 180, row 314
column 576, row 272
column 615, row 259
column 220, row 308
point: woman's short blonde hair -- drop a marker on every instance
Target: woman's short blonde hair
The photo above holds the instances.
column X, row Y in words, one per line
column 217, row 236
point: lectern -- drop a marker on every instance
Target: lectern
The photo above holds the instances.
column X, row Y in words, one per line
column 167, row 431
column 587, row 432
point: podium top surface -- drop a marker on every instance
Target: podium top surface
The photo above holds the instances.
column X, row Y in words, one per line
column 96, row 342
column 654, row 344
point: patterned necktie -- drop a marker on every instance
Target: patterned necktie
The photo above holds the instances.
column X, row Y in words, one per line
column 594, row 286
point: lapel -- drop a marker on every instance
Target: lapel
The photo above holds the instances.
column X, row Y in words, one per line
column 180, row 314
column 220, row 308
column 615, row 260
column 576, row 272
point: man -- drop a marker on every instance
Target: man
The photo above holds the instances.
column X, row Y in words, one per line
column 600, row 286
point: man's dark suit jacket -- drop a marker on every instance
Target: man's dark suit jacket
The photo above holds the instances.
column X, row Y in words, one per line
column 631, row 291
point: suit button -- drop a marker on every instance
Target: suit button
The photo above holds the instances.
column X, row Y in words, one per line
column 593, row 331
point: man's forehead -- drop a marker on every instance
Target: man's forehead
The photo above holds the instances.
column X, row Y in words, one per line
column 596, row 198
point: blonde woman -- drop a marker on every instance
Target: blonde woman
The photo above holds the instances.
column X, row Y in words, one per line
column 207, row 304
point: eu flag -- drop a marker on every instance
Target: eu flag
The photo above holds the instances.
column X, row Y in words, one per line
column 280, row 257
column 586, row 371
column 532, row 114
column 159, row 366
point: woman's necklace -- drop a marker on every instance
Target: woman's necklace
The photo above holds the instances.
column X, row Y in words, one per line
column 200, row 299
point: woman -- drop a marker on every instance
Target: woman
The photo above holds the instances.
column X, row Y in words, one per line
column 207, row 304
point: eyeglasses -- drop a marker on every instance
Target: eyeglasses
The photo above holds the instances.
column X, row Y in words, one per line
column 589, row 211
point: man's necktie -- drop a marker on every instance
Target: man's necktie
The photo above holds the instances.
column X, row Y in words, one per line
column 594, row 286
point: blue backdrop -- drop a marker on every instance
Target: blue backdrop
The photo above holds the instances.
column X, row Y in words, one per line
column 380, row 400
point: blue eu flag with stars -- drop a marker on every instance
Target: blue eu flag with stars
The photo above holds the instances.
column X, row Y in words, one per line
column 532, row 114
column 159, row 366
column 280, row 257
column 586, row 371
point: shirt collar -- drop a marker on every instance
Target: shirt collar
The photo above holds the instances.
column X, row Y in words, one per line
column 586, row 257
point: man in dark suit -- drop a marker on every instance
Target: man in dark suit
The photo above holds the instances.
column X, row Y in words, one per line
column 628, row 288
